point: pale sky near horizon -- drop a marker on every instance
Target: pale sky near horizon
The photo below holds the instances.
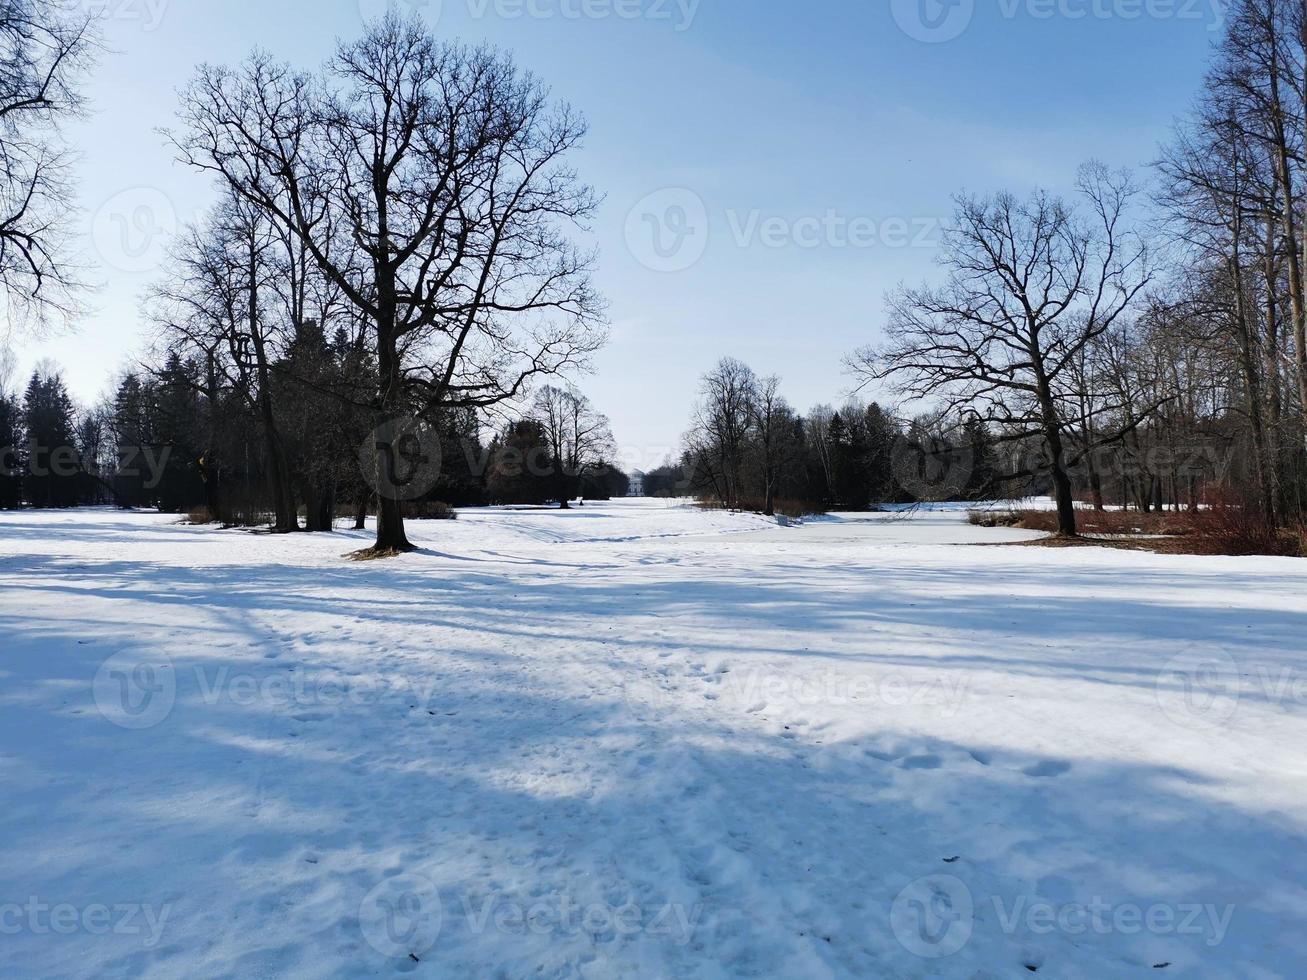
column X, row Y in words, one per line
column 769, row 169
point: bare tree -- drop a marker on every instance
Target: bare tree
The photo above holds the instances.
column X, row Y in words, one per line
column 430, row 183
column 773, row 425
column 213, row 304
column 580, row 438
column 1255, row 89
column 1030, row 285
column 1220, row 201
column 44, row 55
column 714, row 451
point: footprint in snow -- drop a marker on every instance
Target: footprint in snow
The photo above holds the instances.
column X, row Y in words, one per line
column 882, row 756
column 921, row 762
column 983, row 758
column 1047, row 769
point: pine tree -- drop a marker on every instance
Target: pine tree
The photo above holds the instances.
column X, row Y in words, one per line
column 882, row 433
column 54, row 472
column 848, row 449
column 12, row 455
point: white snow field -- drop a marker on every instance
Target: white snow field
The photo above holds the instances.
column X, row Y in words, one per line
column 639, row 740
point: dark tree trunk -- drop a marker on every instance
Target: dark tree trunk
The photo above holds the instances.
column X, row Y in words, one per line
column 390, row 526
column 319, row 507
column 328, row 505
column 391, row 536
column 283, row 502
column 310, row 494
column 1062, row 491
column 1095, row 483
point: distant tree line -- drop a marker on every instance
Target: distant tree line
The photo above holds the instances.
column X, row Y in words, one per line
column 176, row 439
column 749, row 449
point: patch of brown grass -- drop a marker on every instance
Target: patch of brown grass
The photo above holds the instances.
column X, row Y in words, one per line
column 1219, row 528
column 378, row 554
column 1109, row 522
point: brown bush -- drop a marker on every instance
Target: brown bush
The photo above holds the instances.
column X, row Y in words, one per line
column 1109, row 522
column 430, row 510
column 1229, row 525
column 200, row 515
column 993, row 518
column 757, row 505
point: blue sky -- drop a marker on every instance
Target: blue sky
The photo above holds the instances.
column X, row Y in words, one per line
column 770, row 169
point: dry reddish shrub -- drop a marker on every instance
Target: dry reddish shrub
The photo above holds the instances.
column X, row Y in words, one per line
column 1109, row 522
column 1230, row 525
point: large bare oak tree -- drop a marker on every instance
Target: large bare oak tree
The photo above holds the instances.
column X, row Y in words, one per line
column 431, row 184
column 1031, row 285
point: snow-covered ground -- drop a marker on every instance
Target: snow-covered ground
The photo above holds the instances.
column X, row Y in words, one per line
column 641, row 740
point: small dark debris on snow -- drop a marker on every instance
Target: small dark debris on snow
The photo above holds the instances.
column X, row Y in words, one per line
column 953, row 860
column 1160, row 966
